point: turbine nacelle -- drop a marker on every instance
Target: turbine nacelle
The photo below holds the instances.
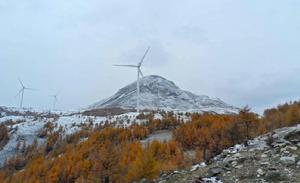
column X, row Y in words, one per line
column 138, row 66
column 22, row 91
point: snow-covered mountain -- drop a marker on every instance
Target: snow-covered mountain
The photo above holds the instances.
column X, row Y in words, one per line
column 158, row 92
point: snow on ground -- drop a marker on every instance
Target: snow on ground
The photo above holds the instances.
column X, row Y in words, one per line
column 157, row 116
column 162, row 136
column 11, row 118
column 72, row 123
column 22, row 132
column 211, row 180
column 197, row 166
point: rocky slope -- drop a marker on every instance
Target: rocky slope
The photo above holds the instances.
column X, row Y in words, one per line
column 273, row 157
column 158, row 92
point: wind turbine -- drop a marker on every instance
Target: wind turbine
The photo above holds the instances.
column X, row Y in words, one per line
column 139, row 73
column 22, row 91
column 54, row 99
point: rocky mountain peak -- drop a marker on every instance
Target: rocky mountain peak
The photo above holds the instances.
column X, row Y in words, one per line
column 158, row 92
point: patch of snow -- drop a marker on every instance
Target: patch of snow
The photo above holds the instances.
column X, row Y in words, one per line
column 157, row 116
column 258, row 143
column 22, row 132
column 211, row 180
column 11, row 118
column 235, row 149
column 196, row 167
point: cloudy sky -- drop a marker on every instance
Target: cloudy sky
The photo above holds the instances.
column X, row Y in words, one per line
column 244, row 52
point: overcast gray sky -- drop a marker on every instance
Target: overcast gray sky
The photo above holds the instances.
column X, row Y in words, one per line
column 243, row 52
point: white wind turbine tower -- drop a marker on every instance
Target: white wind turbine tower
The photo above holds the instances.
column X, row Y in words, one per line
column 54, row 100
column 139, row 73
column 22, row 91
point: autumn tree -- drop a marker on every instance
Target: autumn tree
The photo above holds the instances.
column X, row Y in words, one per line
column 247, row 118
column 292, row 115
column 3, row 135
column 144, row 166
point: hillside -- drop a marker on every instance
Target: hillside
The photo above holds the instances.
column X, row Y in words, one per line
column 150, row 146
column 158, row 92
column 273, row 157
column 26, row 125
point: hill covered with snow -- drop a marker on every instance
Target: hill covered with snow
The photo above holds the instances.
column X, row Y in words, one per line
column 159, row 93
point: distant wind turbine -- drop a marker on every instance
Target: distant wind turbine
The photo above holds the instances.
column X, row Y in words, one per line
column 54, row 100
column 22, row 91
column 139, row 73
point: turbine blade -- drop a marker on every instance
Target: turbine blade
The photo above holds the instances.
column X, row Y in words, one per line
column 125, row 65
column 140, row 72
column 142, row 60
column 21, row 83
column 30, row 89
column 19, row 92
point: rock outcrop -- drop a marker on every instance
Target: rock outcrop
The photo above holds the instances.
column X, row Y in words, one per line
column 273, row 157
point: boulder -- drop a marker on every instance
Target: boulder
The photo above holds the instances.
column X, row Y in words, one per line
column 260, row 171
column 288, row 160
column 264, row 163
column 234, row 163
column 293, row 148
column 214, row 171
column 239, row 166
column 272, row 168
column 237, row 155
column 293, row 136
column 275, row 177
column 264, row 156
column 229, row 160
